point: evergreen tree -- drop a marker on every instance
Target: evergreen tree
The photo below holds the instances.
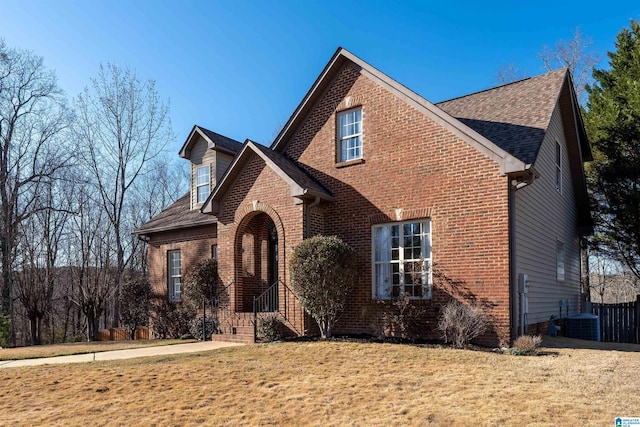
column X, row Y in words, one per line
column 613, row 127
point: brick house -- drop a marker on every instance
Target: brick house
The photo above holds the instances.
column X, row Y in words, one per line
column 484, row 193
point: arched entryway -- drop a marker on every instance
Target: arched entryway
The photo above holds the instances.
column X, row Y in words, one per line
column 257, row 261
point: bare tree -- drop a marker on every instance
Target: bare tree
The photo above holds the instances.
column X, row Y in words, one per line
column 92, row 268
column 38, row 248
column 510, row 73
column 124, row 127
column 575, row 54
column 32, row 118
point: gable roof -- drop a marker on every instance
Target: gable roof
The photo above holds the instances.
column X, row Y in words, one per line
column 215, row 141
column 508, row 163
column 175, row 216
column 301, row 184
column 514, row 116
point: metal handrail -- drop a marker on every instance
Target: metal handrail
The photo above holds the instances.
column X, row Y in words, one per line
column 227, row 309
column 269, row 302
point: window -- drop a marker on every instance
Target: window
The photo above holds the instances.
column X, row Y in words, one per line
column 402, row 259
column 558, row 168
column 214, row 251
column 350, row 135
column 203, row 183
column 560, row 261
column 174, row 275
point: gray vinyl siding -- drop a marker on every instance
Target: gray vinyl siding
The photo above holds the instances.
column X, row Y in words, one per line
column 201, row 155
column 544, row 216
column 222, row 163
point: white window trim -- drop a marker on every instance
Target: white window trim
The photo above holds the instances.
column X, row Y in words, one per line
column 203, row 184
column 427, row 261
column 172, row 279
column 342, row 139
column 561, row 257
column 558, row 159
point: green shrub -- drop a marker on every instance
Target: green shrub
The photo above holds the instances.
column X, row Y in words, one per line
column 5, row 330
column 270, row 328
column 323, row 269
column 171, row 320
column 195, row 327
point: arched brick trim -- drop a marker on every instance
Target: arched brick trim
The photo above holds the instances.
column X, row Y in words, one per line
column 242, row 221
column 249, row 210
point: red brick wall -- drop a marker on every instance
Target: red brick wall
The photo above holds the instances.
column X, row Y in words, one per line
column 410, row 163
column 258, row 190
column 194, row 245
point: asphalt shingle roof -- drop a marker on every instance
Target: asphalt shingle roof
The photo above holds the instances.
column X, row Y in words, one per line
column 177, row 215
column 293, row 171
column 515, row 116
column 222, row 141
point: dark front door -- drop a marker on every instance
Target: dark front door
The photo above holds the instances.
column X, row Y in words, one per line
column 273, row 267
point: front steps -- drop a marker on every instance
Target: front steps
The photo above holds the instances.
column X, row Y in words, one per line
column 235, row 327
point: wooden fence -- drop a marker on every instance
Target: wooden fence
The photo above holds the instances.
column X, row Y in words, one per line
column 619, row 322
column 121, row 334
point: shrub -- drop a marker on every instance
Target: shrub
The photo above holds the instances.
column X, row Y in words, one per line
column 171, row 320
column 195, row 327
column 460, row 323
column 201, row 282
column 135, row 301
column 270, row 328
column 5, row 330
column 526, row 345
column 402, row 317
column 323, row 269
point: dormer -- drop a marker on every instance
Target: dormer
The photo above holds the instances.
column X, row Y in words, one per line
column 210, row 155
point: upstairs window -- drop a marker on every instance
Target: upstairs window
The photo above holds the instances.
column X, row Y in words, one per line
column 203, row 183
column 174, row 275
column 558, row 168
column 402, row 260
column 350, row 135
column 560, row 261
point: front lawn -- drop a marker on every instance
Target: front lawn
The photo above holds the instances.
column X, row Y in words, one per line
column 330, row 383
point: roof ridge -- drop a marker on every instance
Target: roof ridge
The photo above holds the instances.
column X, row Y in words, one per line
column 217, row 134
column 564, row 69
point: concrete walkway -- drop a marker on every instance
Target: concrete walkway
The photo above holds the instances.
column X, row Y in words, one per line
column 131, row 353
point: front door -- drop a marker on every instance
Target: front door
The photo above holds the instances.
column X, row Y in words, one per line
column 272, row 267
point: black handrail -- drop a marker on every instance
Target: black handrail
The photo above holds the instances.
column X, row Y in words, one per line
column 266, row 302
column 272, row 301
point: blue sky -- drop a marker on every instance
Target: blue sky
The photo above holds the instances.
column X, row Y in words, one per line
column 241, row 67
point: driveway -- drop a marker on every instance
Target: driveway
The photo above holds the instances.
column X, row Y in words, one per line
column 131, row 353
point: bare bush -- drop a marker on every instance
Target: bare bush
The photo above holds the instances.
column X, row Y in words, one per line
column 460, row 323
column 526, row 345
column 402, row 318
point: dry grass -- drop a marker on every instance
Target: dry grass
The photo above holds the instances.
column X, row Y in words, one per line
column 330, row 383
column 36, row 351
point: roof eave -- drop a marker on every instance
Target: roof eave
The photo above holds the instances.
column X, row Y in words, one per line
column 144, row 232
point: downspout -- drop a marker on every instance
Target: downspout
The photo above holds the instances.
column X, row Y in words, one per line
column 516, row 183
column 308, row 208
column 513, row 294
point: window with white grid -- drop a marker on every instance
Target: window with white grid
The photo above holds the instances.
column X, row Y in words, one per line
column 402, row 260
column 350, row 135
column 203, row 183
column 174, row 270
